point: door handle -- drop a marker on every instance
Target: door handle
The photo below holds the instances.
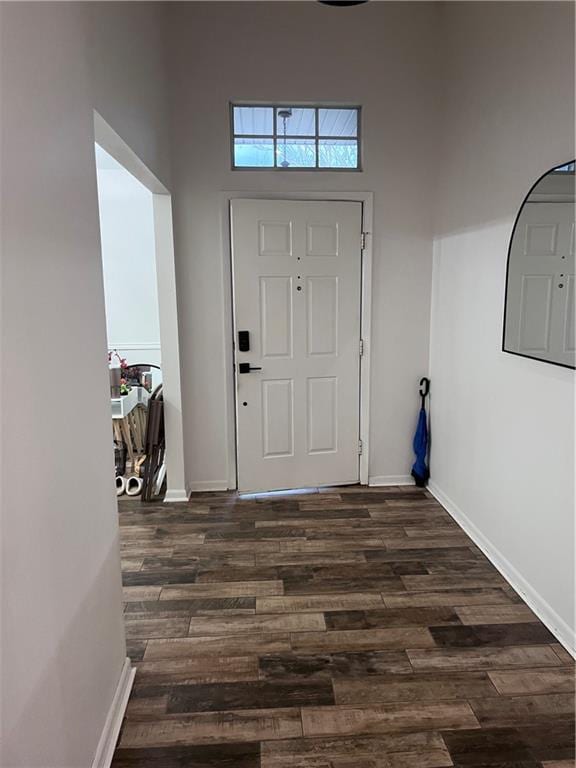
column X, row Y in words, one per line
column 246, row 368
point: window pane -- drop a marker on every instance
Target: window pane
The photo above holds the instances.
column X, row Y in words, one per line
column 254, row 153
column 255, row 121
column 296, row 153
column 338, row 122
column 337, row 153
column 286, row 137
column 299, row 122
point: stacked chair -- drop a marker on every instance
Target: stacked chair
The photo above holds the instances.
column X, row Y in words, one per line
column 154, row 447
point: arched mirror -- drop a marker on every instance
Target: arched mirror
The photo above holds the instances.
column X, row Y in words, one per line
column 539, row 309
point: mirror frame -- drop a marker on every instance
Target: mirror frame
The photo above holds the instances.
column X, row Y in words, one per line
column 508, row 351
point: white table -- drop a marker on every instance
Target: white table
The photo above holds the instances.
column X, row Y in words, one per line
column 129, row 421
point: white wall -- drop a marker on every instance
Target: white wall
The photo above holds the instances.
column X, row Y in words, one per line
column 382, row 56
column 509, row 113
column 62, row 635
column 502, row 426
column 128, row 262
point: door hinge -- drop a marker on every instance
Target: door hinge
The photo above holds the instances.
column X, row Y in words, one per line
column 359, row 446
column 363, row 241
column 361, row 347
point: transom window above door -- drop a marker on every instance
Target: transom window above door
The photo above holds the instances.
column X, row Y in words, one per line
column 288, row 138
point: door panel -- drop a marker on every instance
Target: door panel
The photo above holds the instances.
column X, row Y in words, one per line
column 296, row 281
column 322, row 239
column 322, row 315
column 535, row 307
column 276, row 316
column 570, row 318
column 278, row 417
column 322, row 401
column 275, row 238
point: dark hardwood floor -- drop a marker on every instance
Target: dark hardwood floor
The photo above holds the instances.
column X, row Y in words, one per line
column 346, row 628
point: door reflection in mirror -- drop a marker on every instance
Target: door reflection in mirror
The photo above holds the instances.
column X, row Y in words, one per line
column 539, row 308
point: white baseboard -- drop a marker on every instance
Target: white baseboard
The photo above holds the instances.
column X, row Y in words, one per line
column 391, row 480
column 547, row 615
column 175, row 494
column 208, row 485
column 109, row 736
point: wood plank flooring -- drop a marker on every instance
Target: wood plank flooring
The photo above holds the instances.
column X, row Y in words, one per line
column 347, row 627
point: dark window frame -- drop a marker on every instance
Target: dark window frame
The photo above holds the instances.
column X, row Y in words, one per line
column 316, row 137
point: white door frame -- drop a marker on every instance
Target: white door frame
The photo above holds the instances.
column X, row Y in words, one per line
column 367, row 200
column 110, row 141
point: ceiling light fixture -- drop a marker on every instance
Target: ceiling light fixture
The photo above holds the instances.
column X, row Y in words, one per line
column 284, row 114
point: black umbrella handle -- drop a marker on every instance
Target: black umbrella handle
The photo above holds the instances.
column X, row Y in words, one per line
column 424, row 389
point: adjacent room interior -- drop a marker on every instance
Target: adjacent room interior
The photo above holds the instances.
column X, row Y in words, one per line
column 317, row 509
column 126, row 216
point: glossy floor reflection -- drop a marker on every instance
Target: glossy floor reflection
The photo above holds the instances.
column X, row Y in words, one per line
column 330, row 629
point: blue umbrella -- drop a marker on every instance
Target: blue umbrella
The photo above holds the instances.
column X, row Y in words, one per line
column 420, row 471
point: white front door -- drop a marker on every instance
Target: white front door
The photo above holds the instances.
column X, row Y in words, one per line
column 540, row 301
column 296, row 279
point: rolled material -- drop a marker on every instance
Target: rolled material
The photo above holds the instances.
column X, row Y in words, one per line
column 120, row 485
column 134, row 486
column 159, row 479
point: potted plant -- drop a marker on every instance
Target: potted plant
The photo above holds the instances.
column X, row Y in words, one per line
column 118, row 367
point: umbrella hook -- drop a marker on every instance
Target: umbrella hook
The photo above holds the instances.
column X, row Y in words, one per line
column 424, row 389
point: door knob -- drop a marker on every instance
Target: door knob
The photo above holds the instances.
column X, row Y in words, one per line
column 246, row 368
